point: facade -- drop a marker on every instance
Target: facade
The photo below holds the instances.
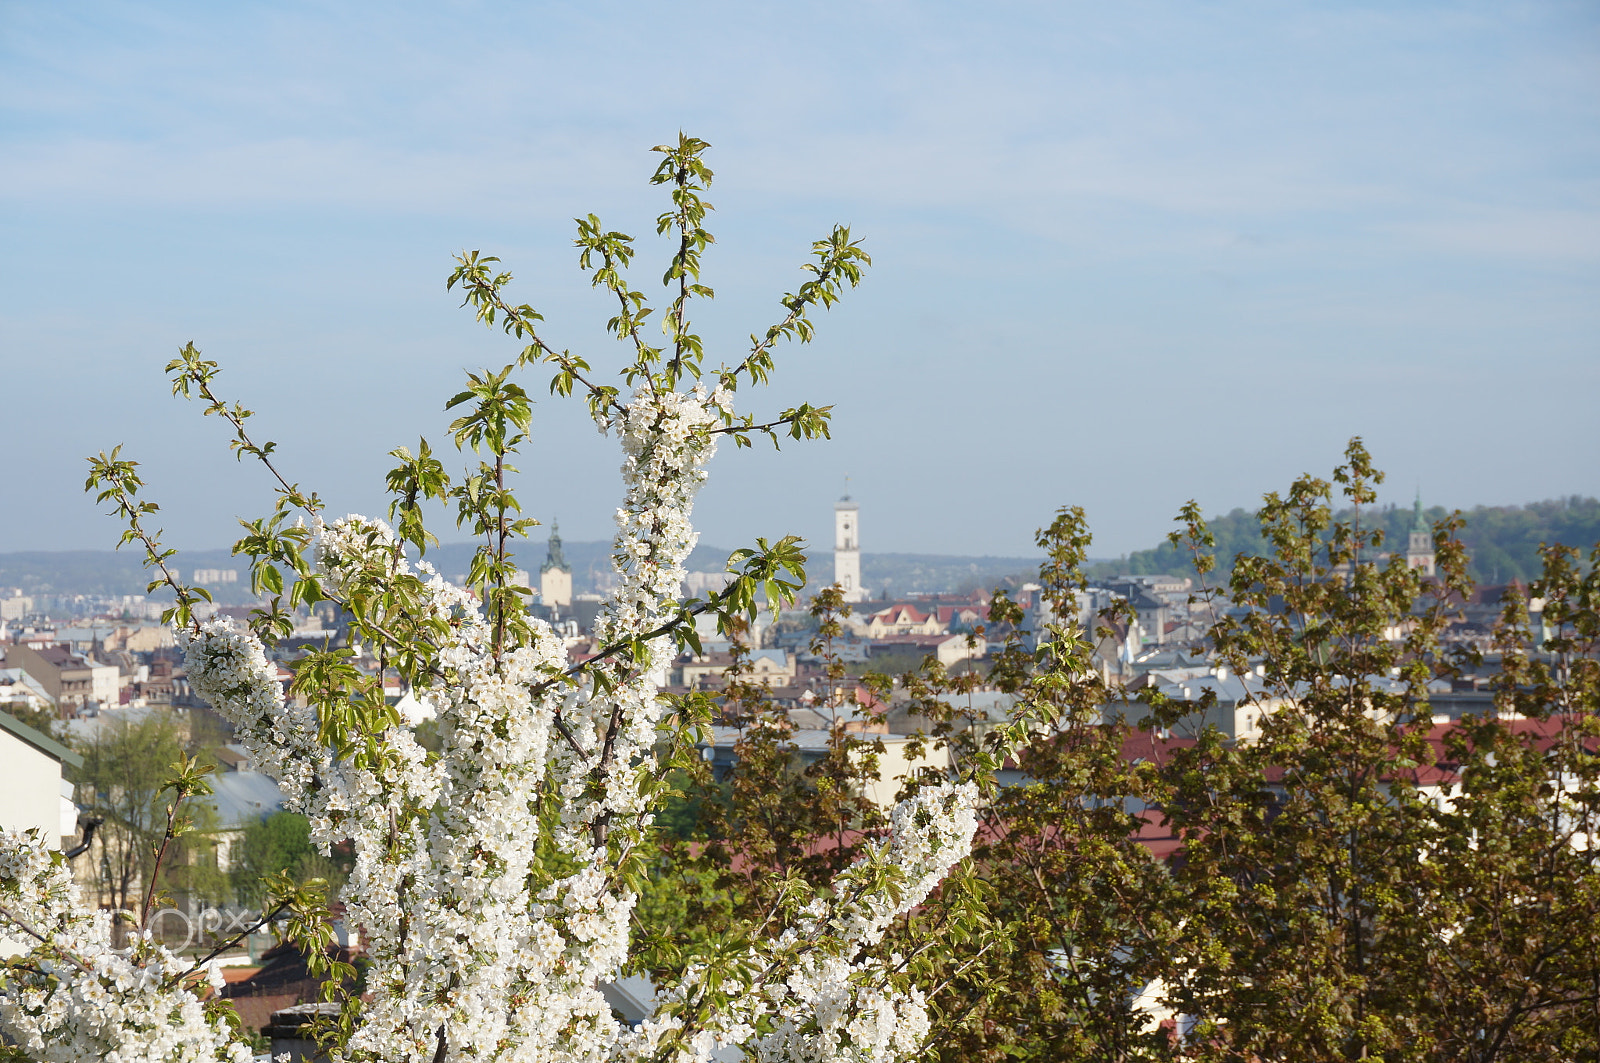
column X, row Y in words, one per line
column 948, row 649
column 898, row 619
column 34, row 795
column 19, row 688
column 16, row 607
column 555, row 575
column 72, row 681
column 847, row 549
column 771, row 668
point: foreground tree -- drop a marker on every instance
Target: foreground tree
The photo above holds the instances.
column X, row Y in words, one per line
column 494, row 880
column 1356, row 881
column 1344, row 878
column 1347, row 879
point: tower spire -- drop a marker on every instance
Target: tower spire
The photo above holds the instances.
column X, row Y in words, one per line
column 554, row 557
column 555, row 575
column 1419, row 545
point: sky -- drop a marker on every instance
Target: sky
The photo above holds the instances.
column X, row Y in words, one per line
column 1124, row 255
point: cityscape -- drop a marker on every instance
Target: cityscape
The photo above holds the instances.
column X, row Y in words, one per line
column 902, row 532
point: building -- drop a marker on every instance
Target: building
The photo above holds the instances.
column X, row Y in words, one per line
column 847, row 549
column 15, row 607
column 1152, row 613
column 1419, row 545
column 34, row 795
column 71, row 680
column 897, row 619
column 241, row 796
column 1233, row 704
column 947, row 649
column 772, row 668
column 555, row 575
column 19, row 688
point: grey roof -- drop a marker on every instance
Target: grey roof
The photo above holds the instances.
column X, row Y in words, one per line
column 1230, row 689
column 988, row 704
column 18, row 677
column 1236, row 688
column 88, row 728
column 244, row 797
column 84, row 634
column 805, row 739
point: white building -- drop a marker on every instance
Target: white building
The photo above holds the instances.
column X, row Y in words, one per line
column 16, row 607
column 70, row 679
column 34, row 794
column 1419, row 544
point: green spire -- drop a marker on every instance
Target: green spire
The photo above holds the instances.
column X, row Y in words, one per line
column 1420, row 523
column 553, row 556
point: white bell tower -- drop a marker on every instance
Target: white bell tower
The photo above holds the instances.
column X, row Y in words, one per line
column 847, row 549
column 1419, row 548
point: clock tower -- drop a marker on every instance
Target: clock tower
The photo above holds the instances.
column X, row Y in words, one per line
column 847, row 549
column 1419, row 548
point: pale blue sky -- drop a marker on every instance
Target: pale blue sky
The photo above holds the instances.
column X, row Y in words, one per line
column 1126, row 254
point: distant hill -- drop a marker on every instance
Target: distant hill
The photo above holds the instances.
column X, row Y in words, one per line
column 901, row 573
column 106, row 572
column 1503, row 541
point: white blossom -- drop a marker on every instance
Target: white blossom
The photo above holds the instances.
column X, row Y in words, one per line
column 463, row 935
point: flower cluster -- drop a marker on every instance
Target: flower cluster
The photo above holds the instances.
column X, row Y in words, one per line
column 487, row 937
column 75, row 997
column 820, row 991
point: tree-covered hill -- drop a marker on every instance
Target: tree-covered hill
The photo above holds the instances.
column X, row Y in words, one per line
column 1503, row 540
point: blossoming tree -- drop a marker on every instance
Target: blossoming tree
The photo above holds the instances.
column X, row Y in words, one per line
column 494, row 879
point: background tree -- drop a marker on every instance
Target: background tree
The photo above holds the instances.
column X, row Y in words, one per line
column 126, row 768
column 282, row 843
column 1503, row 542
column 774, row 818
column 1299, row 868
column 1320, row 904
column 41, row 718
column 1080, row 918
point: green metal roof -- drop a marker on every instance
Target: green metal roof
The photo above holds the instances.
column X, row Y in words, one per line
column 43, row 743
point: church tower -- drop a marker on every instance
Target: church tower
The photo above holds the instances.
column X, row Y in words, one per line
column 555, row 575
column 847, row 549
column 1419, row 548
